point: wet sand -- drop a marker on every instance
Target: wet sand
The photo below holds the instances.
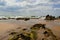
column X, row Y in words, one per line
column 8, row 25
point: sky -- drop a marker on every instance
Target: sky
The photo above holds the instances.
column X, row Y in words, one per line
column 29, row 7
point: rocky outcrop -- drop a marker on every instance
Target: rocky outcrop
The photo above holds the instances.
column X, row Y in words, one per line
column 48, row 17
column 36, row 32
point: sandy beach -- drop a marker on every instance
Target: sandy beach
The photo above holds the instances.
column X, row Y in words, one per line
column 9, row 25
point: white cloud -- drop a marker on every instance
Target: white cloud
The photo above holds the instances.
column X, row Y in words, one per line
column 56, row 8
column 22, row 4
column 14, row 3
column 10, row 2
column 43, row 1
column 25, row 2
column 30, row 6
column 35, row 2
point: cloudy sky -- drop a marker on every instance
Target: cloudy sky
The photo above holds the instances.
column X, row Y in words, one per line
column 30, row 7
